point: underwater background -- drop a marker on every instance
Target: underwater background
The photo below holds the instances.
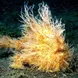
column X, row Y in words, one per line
column 10, row 25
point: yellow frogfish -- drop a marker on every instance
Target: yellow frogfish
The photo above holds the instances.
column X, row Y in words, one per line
column 42, row 44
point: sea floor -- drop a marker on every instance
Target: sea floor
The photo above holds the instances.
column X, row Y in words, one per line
column 29, row 72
